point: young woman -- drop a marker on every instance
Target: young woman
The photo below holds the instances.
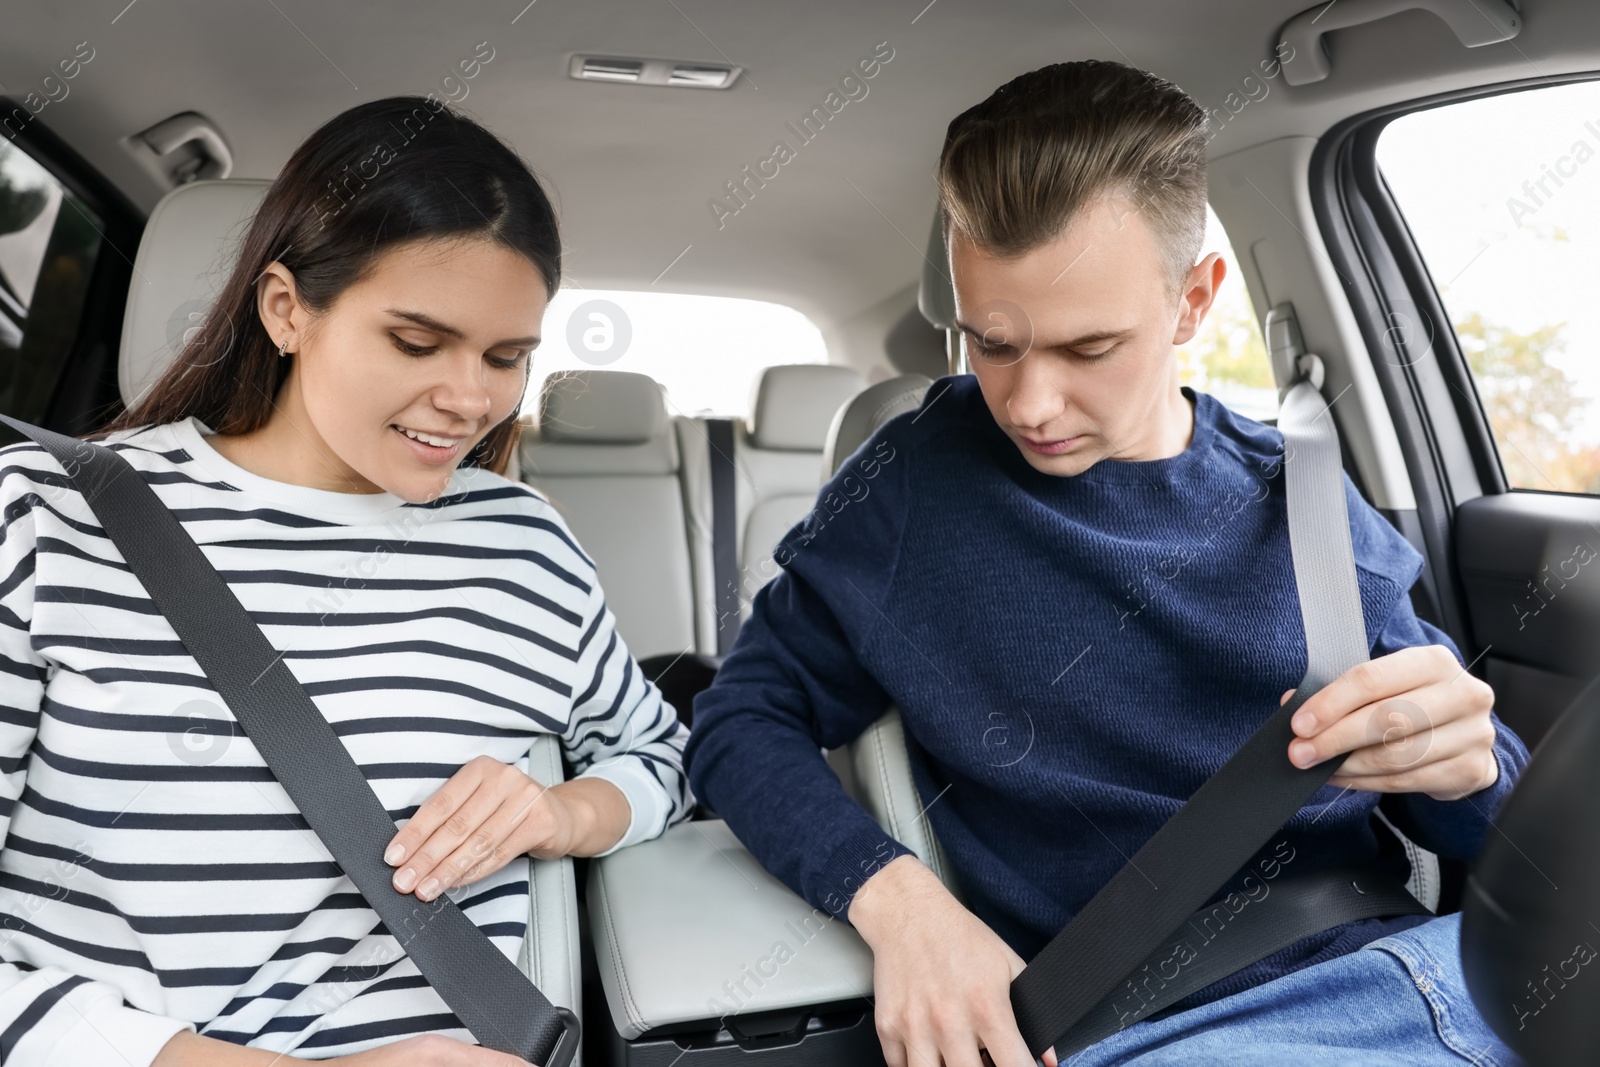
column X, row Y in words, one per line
column 325, row 441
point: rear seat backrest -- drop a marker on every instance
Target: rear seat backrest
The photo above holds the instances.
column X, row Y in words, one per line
column 605, row 453
column 780, row 448
column 778, row 451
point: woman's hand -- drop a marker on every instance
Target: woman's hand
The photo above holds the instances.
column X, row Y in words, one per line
column 1413, row 722
column 941, row 978
column 490, row 812
column 429, row 1050
column 188, row 1049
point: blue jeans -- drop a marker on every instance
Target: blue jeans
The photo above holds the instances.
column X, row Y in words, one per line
column 1399, row 1000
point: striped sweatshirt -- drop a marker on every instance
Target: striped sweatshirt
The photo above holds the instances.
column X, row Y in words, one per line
column 154, row 876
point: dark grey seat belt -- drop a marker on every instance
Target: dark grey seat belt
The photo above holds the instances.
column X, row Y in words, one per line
column 1243, row 804
column 724, row 532
column 1219, row 940
column 486, row 991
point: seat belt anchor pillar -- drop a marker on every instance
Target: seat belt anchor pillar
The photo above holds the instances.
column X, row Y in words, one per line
column 1311, row 367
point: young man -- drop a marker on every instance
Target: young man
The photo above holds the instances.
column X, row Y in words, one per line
column 1073, row 577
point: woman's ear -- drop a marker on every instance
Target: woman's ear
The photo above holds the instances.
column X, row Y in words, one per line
column 279, row 305
column 1199, row 290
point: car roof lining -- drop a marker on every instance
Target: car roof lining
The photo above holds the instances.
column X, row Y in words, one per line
column 841, row 227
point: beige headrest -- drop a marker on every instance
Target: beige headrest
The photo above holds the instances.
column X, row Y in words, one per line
column 186, row 254
column 795, row 403
column 600, row 422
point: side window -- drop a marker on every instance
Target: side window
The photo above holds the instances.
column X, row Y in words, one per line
column 48, row 244
column 1499, row 194
column 1227, row 357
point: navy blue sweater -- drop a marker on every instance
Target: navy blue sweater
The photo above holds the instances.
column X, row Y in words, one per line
column 1072, row 657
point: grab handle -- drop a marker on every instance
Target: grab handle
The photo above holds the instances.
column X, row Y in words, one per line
column 1475, row 22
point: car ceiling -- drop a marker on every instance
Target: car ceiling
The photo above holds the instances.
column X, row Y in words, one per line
column 843, row 225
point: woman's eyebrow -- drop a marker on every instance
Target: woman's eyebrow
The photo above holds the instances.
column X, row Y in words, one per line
column 431, row 323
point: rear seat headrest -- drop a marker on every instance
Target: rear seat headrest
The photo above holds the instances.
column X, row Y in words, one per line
column 601, row 407
column 184, row 257
column 794, row 404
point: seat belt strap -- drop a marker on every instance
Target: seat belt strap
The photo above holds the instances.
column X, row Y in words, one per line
column 1234, row 812
column 724, row 532
column 1220, row 939
column 485, row 989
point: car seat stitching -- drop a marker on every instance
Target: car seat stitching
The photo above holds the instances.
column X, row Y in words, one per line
column 635, row 1015
column 886, row 784
column 536, row 946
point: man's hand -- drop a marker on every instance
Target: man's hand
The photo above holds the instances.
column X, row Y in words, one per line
column 942, row 978
column 1413, row 722
column 488, row 813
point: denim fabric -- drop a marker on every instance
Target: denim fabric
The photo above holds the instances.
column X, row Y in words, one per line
column 1398, row 1000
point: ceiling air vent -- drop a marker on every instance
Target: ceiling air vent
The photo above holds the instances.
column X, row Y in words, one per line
column 669, row 72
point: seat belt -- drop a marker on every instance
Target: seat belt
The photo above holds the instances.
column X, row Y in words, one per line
column 724, row 532
column 1243, row 804
column 1218, row 940
column 493, row 998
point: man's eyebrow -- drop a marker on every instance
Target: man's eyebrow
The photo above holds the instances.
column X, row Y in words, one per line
column 431, row 323
column 1094, row 337
column 1090, row 338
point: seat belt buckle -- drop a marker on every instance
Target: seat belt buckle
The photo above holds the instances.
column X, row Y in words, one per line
column 567, row 1045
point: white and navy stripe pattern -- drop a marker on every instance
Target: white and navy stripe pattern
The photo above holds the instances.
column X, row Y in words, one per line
column 154, row 875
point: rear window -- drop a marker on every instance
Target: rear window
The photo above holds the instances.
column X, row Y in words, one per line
column 705, row 350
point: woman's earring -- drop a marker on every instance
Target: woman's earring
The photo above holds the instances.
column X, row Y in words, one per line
column 281, row 352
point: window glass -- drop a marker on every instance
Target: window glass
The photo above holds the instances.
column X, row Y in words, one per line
column 1500, row 195
column 48, row 244
column 705, row 350
column 1227, row 357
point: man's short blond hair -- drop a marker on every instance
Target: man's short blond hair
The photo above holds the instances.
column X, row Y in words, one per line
column 1018, row 167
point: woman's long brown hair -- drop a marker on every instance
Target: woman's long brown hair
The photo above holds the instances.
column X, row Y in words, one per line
column 394, row 170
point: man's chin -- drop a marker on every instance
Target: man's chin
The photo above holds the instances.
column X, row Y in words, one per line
column 1063, row 466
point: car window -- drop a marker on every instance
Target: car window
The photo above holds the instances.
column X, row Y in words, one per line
column 1499, row 194
column 48, row 244
column 1227, row 357
column 705, row 350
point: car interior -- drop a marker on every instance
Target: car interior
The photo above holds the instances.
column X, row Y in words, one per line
column 1472, row 426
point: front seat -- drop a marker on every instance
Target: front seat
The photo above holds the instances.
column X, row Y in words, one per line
column 184, row 258
column 699, row 949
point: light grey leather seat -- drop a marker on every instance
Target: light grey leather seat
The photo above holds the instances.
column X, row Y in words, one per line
column 605, row 453
column 674, row 919
column 780, row 449
column 778, row 455
column 184, row 257
column 875, row 768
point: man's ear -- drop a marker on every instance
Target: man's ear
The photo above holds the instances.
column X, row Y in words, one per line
column 1199, row 290
column 278, row 304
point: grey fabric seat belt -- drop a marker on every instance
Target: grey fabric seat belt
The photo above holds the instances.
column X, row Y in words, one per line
column 485, row 989
column 1237, row 810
